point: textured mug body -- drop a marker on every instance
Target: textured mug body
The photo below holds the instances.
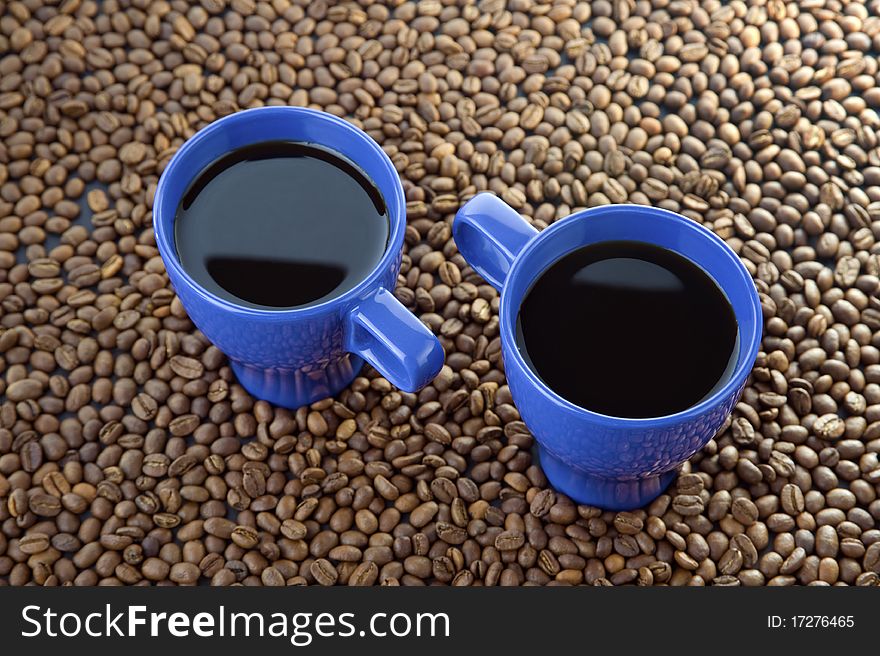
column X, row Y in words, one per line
column 293, row 357
column 611, row 462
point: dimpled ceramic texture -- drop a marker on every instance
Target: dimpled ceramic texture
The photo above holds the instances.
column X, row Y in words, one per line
column 297, row 356
column 610, row 462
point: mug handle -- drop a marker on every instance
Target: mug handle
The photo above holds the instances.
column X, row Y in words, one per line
column 490, row 234
column 393, row 340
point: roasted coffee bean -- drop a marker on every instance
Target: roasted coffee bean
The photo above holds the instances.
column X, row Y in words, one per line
column 144, row 407
column 792, row 499
column 33, row 543
column 628, row 523
column 687, row 504
column 509, row 540
column 245, row 537
column 186, row 367
column 542, row 503
column 293, row 530
column 365, row 574
column 744, row 511
column 324, row 572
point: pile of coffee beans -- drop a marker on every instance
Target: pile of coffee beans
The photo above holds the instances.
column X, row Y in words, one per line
column 130, row 455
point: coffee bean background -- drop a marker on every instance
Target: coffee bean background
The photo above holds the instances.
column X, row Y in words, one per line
column 129, row 454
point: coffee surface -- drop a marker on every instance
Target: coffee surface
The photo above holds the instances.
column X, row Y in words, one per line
column 280, row 225
column 628, row 329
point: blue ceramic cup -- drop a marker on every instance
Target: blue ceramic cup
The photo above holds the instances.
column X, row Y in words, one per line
column 293, row 357
column 611, row 462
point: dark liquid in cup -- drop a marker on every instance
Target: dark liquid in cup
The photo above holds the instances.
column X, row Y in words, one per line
column 280, row 225
column 628, row 329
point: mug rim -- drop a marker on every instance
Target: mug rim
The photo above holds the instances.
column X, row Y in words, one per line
column 165, row 239
column 743, row 366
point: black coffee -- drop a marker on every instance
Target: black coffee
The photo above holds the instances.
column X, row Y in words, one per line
column 628, row 329
column 280, row 225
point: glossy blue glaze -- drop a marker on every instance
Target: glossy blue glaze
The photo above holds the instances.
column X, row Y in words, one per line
column 611, row 462
column 295, row 357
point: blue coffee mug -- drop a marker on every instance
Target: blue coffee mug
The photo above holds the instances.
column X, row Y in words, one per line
column 293, row 357
column 611, row 462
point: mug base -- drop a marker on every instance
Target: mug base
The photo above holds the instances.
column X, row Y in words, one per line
column 294, row 388
column 606, row 493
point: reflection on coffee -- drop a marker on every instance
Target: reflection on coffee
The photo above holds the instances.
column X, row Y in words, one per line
column 280, row 225
column 628, row 329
